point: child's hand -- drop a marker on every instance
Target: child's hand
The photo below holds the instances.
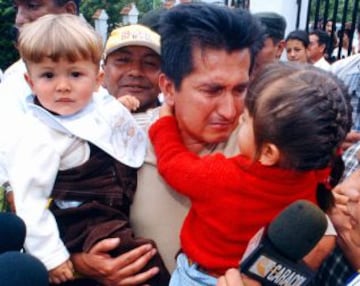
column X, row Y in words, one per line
column 166, row 110
column 130, row 102
column 64, row 272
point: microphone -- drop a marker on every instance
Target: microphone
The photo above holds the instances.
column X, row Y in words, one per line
column 273, row 255
column 18, row 268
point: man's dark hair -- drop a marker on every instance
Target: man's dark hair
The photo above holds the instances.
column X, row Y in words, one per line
column 151, row 19
column 324, row 38
column 299, row 35
column 274, row 24
column 199, row 25
column 63, row 2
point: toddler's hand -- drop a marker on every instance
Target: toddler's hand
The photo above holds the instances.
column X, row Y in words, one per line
column 62, row 273
column 130, row 102
column 166, row 110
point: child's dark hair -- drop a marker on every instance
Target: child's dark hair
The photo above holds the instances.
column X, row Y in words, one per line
column 303, row 110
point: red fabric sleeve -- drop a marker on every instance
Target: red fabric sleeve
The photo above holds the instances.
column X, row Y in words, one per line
column 181, row 168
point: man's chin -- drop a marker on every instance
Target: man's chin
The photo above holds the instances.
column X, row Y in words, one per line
column 218, row 138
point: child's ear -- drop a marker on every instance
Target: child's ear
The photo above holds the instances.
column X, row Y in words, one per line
column 29, row 80
column 167, row 88
column 99, row 79
column 270, row 155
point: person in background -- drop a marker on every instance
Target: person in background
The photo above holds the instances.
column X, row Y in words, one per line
column 69, row 207
column 131, row 66
column 26, row 12
column 330, row 29
column 274, row 43
column 319, row 41
column 342, row 52
column 297, row 43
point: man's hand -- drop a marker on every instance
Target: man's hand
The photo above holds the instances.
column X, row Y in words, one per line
column 318, row 254
column 232, row 277
column 166, row 110
column 343, row 216
column 351, row 138
column 115, row 271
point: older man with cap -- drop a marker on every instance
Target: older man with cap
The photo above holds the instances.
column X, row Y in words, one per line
column 274, row 42
column 132, row 67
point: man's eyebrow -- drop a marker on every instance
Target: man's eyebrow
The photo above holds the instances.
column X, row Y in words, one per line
column 152, row 55
column 244, row 84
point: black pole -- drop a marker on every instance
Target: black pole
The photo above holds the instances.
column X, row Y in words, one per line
column 299, row 2
column 308, row 15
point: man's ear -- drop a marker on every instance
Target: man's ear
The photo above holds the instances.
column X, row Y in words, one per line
column 323, row 48
column 167, row 88
column 70, row 7
column 280, row 48
column 270, row 155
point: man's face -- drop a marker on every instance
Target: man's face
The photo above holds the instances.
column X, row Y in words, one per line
column 269, row 52
column 315, row 51
column 133, row 70
column 211, row 98
column 296, row 51
column 29, row 10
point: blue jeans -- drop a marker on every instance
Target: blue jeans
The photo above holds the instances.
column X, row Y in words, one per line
column 187, row 274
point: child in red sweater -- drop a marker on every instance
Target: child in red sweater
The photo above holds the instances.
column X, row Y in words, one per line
column 295, row 118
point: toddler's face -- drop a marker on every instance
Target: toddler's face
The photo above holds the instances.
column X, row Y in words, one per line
column 246, row 137
column 63, row 87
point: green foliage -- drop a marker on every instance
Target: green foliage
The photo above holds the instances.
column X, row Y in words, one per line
column 8, row 53
column 331, row 7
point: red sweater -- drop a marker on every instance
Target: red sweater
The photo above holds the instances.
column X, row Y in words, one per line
column 231, row 198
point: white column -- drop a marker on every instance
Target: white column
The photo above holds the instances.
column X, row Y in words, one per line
column 101, row 25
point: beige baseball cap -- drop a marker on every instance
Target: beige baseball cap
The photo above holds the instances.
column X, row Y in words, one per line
column 132, row 35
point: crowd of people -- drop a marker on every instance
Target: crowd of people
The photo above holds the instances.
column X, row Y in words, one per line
column 162, row 153
column 320, row 47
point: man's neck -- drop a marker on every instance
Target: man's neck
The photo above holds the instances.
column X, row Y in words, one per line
column 317, row 59
column 198, row 147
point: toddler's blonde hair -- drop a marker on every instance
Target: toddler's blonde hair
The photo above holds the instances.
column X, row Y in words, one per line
column 60, row 36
